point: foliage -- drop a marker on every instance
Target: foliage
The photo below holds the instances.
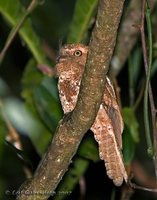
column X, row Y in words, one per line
column 29, row 99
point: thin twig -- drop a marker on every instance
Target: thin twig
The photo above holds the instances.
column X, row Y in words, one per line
column 146, row 118
column 133, row 185
column 151, row 99
column 16, row 28
column 131, row 83
column 148, row 89
column 140, row 96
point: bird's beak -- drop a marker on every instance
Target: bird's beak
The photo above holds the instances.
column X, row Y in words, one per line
column 60, row 59
column 57, row 59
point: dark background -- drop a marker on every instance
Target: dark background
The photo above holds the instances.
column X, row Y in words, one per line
column 51, row 21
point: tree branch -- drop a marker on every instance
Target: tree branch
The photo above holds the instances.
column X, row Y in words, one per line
column 128, row 35
column 33, row 4
column 73, row 126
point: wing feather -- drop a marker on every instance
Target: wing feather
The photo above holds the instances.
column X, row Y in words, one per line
column 108, row 148
column 108, row 128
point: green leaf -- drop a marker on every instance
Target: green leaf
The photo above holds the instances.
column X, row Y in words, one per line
column 50, row 84
column 24, row 121
column 88, row 149
column 71, row 178
column 134, row 66
column 83, row 13
column 4, row 89
column 135, row 61
column 13, row 12
column 32, row 79
column 128, row 146
column 131, row 122
column 48, row 107
column 154, row 68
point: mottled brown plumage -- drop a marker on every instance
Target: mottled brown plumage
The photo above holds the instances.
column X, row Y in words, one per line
column 108, row 125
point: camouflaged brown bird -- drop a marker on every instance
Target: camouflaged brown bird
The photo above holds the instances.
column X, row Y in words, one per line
column 108, row 125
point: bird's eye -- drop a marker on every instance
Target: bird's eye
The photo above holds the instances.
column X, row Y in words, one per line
column 77, row 53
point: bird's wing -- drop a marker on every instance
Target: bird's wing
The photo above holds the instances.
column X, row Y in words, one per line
column 107, row 129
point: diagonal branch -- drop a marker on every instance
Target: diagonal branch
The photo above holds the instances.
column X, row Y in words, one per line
column 16, row 28
column 128, row 35
column 73, row 126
